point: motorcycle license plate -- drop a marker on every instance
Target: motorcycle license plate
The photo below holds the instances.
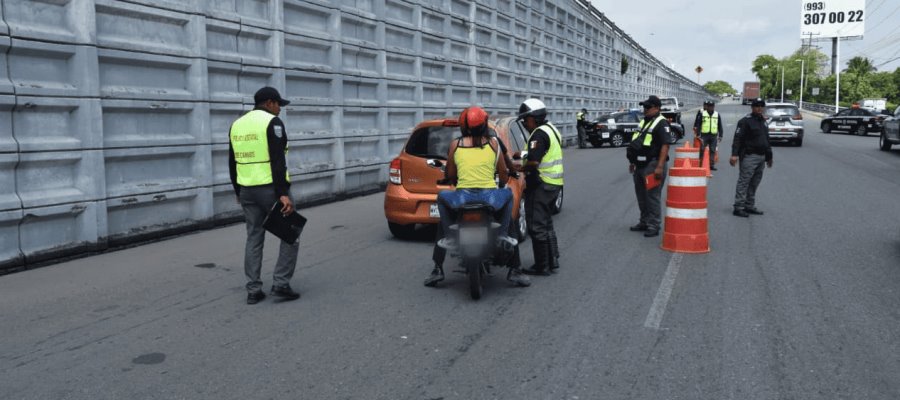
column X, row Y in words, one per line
column 433, row 211
column 472, row 236
column 606, row 135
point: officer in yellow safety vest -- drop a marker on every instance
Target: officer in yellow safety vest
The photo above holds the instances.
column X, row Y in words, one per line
column 257, row 163
column 647, row 154
column 543, row 185
column 708, row 127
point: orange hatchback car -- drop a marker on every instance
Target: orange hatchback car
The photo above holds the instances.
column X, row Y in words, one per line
column 411, row 194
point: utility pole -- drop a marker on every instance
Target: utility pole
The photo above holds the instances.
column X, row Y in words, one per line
column 782, row 83
column 802, row 63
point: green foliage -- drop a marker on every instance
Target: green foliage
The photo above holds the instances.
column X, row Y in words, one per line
column 624, row 65
column 860, row 80
column 719, row 87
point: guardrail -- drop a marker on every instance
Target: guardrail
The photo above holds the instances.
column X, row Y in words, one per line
column 821, row 108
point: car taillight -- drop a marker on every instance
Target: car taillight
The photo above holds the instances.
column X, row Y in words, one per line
column 471, row 217
column 797, row 117
column 394, row 171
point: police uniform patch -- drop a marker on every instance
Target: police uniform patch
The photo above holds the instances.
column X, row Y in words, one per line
column 278, row 132
column 533, row 144
column 667, row 130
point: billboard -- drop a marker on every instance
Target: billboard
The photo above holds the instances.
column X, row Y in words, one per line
column 832, row 18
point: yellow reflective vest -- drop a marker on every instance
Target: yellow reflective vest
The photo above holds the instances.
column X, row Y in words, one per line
column 250, row 144
column 648, row 138
column 579, row 116
column 710, row 124
column 551, row 166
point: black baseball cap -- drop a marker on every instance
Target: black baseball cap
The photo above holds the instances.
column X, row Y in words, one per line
column 269, row 93
column 651, row 101
column 758, row 103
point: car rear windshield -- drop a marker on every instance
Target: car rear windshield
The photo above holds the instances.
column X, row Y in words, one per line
column 777, row 111
column 431, row 142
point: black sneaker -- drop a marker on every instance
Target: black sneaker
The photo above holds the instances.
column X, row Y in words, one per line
column 713, row 167
column 753, row 211
column 651, row 232
column 437, row 275
column 638, row 228
column 285, row 293
column 740, row 213
column 255, row 297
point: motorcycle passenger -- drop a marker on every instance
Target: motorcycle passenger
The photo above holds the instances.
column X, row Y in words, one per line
column 473, row 162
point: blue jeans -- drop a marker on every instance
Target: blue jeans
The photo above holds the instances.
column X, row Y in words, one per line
column 500, row 199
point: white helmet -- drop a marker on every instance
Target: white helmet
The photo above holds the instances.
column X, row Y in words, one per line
column 533, row 108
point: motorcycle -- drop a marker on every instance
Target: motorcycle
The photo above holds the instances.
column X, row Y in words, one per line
column 477, row 245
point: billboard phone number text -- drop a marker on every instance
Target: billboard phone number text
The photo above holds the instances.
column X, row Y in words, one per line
column 838, row 17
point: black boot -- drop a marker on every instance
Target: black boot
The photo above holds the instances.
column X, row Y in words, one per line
column 541, row 265
column 516, row 276
column 554, row 253
column 437, row 275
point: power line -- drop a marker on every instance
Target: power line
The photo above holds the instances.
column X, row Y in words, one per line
column 886, row 19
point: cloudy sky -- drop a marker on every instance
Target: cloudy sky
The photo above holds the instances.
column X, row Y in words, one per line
column 724, row 36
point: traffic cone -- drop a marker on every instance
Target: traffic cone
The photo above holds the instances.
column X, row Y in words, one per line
column 686, row 228
column 687, row 157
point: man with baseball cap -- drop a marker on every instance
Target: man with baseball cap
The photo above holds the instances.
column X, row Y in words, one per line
column 647, row 154
column 751, row 147
column 708, row 127
column 257, row 163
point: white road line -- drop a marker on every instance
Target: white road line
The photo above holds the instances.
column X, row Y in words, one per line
column 654, row 318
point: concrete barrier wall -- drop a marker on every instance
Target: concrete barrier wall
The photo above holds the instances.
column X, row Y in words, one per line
column 114, row 115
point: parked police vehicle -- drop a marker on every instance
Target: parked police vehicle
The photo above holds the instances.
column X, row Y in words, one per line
column 617, row 128
column 613, row 128
column 890, row 131
column 853, row 120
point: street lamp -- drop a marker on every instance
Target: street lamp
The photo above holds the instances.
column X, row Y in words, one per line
column 782, row 82
column 801, row 81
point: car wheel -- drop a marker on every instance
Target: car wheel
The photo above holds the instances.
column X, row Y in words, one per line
column 401, row 231
column 861, row 130
column 556, row 207
column 617, row 139
column 826, row 127
column 798, row 142
column 883, row 143
column 521, row 223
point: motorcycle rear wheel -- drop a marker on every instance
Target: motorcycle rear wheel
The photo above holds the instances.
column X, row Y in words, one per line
column 473, row 269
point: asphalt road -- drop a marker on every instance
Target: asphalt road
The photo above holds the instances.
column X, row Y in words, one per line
column 801, row 303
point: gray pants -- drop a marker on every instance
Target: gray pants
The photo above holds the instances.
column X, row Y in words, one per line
column 256, row 202
column 710, row 141
column 649, row 200
column 752, row 166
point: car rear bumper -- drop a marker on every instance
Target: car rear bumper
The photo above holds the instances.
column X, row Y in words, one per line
column 404, row 207
column 785, row 134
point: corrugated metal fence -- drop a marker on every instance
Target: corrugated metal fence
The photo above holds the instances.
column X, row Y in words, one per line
column 114, row 115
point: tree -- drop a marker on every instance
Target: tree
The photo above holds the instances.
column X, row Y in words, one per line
column 861, row 66
column 719, row 87
column 765, row 67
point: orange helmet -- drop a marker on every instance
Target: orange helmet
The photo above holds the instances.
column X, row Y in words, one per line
column 473, row 121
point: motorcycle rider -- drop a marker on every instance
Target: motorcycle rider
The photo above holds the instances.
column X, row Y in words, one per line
column 473, row 161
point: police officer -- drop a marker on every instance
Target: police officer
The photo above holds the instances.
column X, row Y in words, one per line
column 751, row 147
column 708, row 127
column 647, row 154
column 543, row 182
column 256, row 160
column 581, row 123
